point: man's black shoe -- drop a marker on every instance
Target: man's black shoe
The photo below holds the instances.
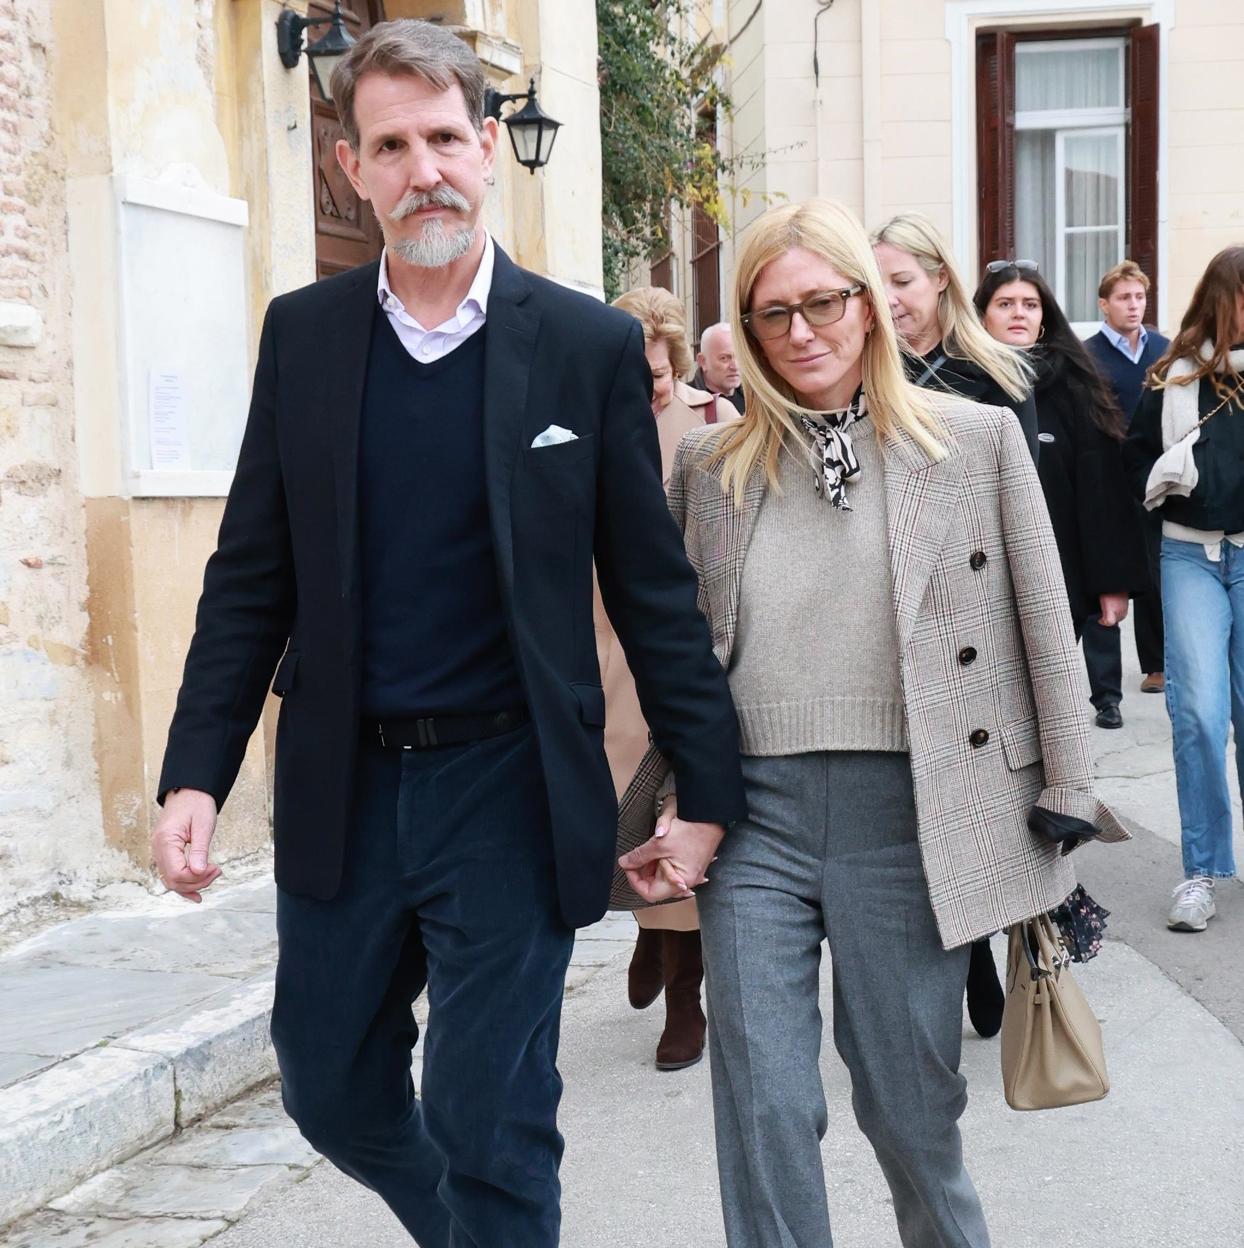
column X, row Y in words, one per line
column 1109, row 717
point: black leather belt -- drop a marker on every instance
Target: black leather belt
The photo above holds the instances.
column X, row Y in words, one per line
column 408, row 733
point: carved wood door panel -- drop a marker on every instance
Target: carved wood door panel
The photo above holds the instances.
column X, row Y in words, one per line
column 346, row 230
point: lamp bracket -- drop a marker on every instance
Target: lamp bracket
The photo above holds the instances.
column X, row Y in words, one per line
column 289, row 28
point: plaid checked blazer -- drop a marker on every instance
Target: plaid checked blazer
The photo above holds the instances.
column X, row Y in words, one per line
column 974, row 564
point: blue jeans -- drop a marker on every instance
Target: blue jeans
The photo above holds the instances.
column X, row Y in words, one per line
column 1203, row 616
column 448, row 885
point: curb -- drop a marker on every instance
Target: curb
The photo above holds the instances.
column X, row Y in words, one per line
column 81, row 1116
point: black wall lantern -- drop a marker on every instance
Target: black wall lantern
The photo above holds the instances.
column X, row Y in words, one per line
column 532, row 130
column 324, row 54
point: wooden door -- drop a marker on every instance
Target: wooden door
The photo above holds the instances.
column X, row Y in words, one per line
column 346, row 230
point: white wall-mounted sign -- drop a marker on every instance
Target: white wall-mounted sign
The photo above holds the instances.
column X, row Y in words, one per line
column 184, row 320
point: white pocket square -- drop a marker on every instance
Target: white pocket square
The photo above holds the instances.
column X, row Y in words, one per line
column 552, row 436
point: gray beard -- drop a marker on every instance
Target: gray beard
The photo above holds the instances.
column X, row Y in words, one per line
column 436, row 246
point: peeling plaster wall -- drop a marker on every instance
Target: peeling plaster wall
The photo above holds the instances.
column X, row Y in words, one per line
column 50, row 823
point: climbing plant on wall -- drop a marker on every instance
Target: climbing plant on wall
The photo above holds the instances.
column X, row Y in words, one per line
column 657, row 84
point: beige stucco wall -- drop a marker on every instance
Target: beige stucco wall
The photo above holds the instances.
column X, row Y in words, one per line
column 98, row 589
column 50, row 822
column 880, row 131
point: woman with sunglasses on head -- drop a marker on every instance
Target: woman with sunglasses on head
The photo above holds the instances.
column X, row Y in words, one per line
column 1100, row 540
column 878, row 572
column 948, row 348
column 1185, row 452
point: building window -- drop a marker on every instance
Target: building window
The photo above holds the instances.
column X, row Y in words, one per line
column 1067, row 147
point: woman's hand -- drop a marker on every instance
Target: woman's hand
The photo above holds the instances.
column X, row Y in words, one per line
column 1113, row 609
column 672, row 861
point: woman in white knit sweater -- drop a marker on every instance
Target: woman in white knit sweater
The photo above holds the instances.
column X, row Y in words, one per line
column 877, row 568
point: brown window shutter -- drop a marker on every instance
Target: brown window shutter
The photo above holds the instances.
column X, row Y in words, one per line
column 1142, row 157
column 995, row 145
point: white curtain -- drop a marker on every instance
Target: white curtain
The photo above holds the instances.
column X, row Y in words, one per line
column 1035, row 228
column 1092, row 173
column 1048, row 77
column 1075, row 250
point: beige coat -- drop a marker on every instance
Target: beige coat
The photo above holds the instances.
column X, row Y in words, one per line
column 974, row 564
column 626, row 731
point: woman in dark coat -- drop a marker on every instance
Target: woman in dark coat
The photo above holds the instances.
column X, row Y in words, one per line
column 1081, row 463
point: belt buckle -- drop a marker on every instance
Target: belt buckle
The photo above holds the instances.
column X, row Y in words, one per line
column 384, row 745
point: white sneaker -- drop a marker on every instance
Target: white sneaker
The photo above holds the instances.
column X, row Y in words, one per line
column 1193, row 905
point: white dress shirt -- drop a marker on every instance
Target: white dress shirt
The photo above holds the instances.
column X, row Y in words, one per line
column 1120, row 341
column 427, row 345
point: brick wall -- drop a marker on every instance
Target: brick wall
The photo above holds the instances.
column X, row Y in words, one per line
column 50, row 827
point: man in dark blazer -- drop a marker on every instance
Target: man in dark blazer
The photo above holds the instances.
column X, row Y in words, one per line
column 1124, row 349
column 409, row 545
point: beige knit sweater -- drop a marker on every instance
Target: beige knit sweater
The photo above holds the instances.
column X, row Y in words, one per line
column 815, row 658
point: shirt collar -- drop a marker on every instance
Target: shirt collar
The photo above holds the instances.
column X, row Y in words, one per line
column 1119, row 340
column 474, row 304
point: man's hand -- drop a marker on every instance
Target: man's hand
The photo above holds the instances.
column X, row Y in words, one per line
column 181, row 840
column 673, row 860
column 1113, row 609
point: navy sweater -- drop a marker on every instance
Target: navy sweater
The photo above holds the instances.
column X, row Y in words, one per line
column 434, row 637
column 1126, row 379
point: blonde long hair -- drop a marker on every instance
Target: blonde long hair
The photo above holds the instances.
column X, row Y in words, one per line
column 963, row 335
column 829, row 230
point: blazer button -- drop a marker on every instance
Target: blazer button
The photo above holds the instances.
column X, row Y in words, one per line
column 978, row 560
column 978, row 738
column 967, row 655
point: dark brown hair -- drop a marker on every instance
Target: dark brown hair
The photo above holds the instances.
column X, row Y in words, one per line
column 1212, row 316
column 419, row 49
column 1062, row 344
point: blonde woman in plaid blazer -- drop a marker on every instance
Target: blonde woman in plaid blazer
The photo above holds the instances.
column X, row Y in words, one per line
column 878, row 570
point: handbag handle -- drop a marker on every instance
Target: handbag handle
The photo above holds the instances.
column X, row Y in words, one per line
column 1041, row 943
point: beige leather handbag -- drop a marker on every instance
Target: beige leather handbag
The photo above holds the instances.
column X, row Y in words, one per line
column 1051, row 1040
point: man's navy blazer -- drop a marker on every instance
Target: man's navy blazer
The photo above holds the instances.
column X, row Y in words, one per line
column 281, row 592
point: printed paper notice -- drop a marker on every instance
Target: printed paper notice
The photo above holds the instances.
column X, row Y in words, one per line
column 166, row 419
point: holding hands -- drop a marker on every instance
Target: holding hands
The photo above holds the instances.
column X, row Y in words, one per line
column 674, row 859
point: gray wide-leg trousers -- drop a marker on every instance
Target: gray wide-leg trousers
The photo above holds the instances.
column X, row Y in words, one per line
column 829, row 852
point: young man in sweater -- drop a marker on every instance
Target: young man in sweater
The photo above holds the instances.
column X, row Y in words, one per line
column 1125, row 351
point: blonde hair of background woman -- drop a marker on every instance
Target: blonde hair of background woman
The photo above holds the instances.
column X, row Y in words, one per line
column 663, row 319
column 963, row 335
column 829, row 230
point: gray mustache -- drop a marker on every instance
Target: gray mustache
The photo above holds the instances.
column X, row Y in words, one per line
column 442, row 196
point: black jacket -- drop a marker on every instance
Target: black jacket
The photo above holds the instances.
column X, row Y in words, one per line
column 1100, row 541
column 968, row 380
column 1217, row 502
column 284, row 578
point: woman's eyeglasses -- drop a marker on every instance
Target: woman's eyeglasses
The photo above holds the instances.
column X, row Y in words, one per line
column 823, row 308
column 1000, row 266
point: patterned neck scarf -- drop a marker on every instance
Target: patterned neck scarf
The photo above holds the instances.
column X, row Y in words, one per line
column 832, row 443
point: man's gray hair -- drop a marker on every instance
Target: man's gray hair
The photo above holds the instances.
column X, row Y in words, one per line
column 408, row 46
column 708, row 330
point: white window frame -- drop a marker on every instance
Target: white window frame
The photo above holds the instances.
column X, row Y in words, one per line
column 1080, row 122
column 963, row 19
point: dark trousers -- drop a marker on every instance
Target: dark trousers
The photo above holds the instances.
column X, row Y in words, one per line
column 449, row 886
column 1150, row 642
column 1103, row 659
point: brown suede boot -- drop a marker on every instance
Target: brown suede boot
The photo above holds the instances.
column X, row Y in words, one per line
column 646, row 975
column 682, row 1041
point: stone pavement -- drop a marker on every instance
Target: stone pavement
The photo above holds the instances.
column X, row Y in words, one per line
column 121, row 1028
column 1145, row 1167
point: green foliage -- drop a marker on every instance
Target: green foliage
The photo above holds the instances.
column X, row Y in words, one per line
column 654, row 83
